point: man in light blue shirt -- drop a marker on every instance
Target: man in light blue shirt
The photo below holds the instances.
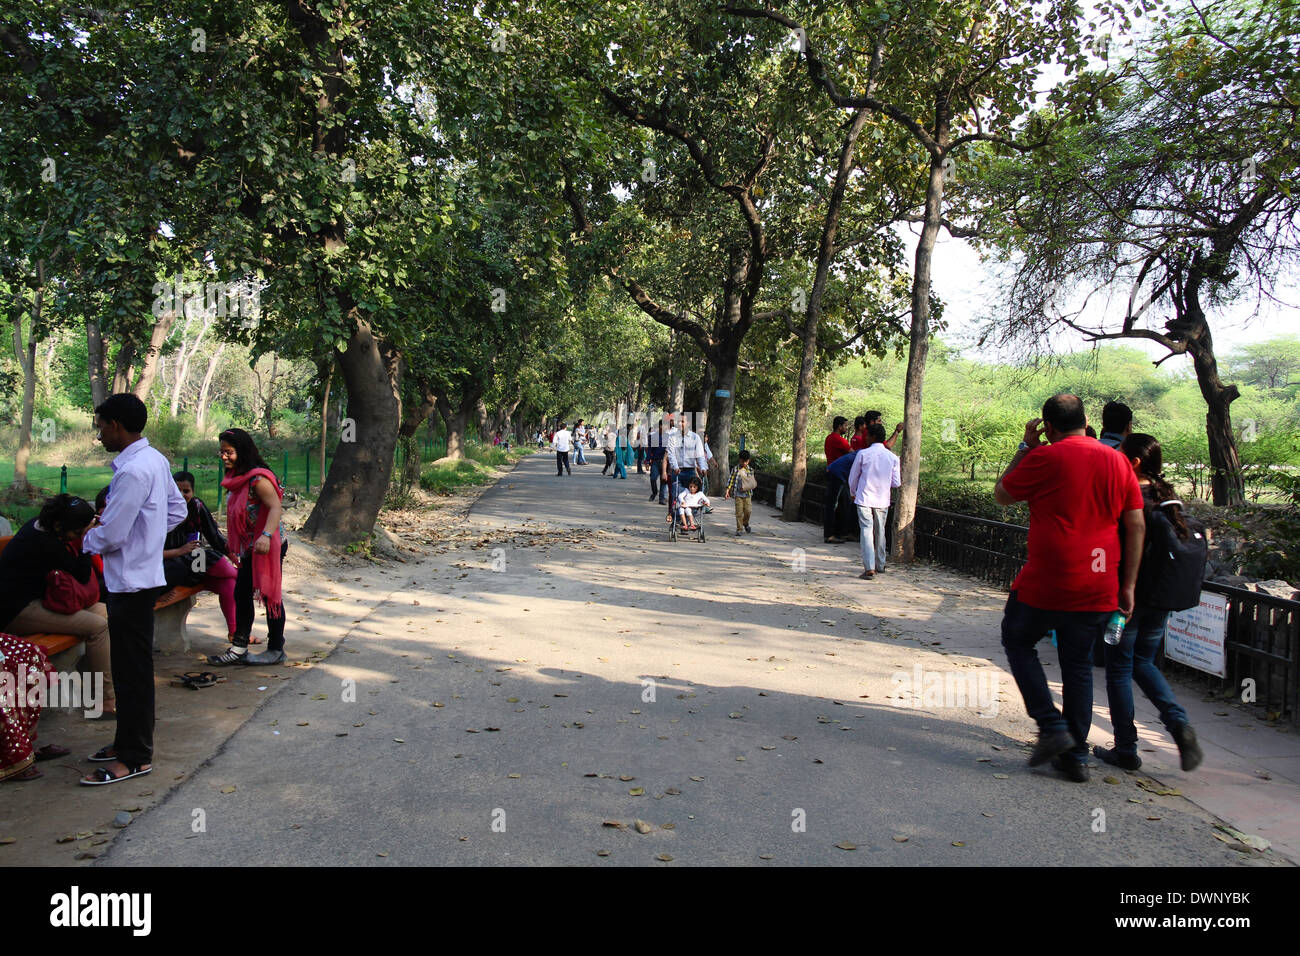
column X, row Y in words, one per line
column 143, row 505
column 874, row 474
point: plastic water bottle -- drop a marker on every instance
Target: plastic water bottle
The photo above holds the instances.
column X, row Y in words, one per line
column 1115, row 627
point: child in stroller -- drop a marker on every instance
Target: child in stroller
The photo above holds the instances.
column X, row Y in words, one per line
column 690, row 502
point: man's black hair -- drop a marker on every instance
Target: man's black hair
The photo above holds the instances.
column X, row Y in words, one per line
column 872, row 415
column 1116, row 417
column 1064, row 412
column 859, row 422
column 876, row 432
column 125, row 409
column 180, row 476
column 839, row 420
column 744, row 454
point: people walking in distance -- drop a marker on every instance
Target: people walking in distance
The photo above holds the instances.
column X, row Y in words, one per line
column 1079, row 492
column 835, row 446
column 562, row 441
column 874, row 474
column 1116, row 423
column 741, row 487
column 579, row 438
column 1169, row 579
column 143, row 505
column 639, row 445
column 656, row 450
column 608, row 444
column 253, row 514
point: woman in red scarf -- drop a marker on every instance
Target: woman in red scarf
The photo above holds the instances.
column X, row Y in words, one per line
column 255, row 536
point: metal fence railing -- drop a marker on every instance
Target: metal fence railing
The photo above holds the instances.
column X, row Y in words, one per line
column 1262, row 643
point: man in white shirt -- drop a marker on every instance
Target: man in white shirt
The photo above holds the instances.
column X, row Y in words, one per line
column 875, row 471
column 143, row 505
column 683, row 457
column 562, row 442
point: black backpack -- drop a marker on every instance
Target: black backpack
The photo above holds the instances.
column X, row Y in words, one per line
column 1172, row 569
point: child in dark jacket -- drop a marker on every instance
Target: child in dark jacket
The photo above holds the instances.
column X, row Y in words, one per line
column 188, row 562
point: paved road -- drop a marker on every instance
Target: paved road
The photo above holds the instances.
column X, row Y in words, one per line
column 501, row 697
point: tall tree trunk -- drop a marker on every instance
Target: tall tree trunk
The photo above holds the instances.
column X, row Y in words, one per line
column 183, row 361
column 1227, row 486
column 325, row 412
column 357, row 481
column 413, row 416
column 721, row 410
column 95, row 363
column 269, row 408
column 205, row 390
column 27, row 360
column 124, row 367
column 149, row 368
column 910, row 465
column 808, row 365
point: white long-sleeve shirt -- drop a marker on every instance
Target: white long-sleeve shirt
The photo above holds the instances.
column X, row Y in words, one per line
column 875, row 471
column 143, row 505
column 686, row 451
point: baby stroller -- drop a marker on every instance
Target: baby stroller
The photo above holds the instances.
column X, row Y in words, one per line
column 677, row 527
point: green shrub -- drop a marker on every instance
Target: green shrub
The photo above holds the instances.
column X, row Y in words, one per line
column 446, row 477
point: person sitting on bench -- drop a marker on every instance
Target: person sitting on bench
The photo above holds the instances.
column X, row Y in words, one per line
column 52, row 542
column 213, row 570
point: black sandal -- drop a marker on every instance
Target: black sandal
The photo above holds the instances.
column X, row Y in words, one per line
column 103, row 777
column 197, row 679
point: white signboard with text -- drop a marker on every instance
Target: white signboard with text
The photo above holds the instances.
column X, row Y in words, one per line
column 1196, row 637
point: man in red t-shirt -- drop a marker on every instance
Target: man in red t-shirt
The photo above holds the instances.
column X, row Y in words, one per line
column 1079, row 491
column 836, row 446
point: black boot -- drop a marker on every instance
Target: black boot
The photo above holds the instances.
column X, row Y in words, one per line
column 1188, row 749
column 1116, row 759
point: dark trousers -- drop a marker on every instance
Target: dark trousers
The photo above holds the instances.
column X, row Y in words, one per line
column 830, row 506
column 609, row 460
column 1022, row 628
column 130, row 634
column 640, row 456
column 562, row 463
column 656, row 482
column 245, row 610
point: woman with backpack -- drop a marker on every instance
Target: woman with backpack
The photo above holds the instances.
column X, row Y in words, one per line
column 1169, row 579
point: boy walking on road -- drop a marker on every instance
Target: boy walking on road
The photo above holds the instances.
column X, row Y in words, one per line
column 143, row 505
column 1079, row 491
column 736, row 488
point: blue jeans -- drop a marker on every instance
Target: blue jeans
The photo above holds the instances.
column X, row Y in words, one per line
column 1022, row 628
column 1133, row 661
column 581, row 459
column 872, row 523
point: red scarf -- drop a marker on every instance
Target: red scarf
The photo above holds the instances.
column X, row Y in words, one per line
column 266, row 567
